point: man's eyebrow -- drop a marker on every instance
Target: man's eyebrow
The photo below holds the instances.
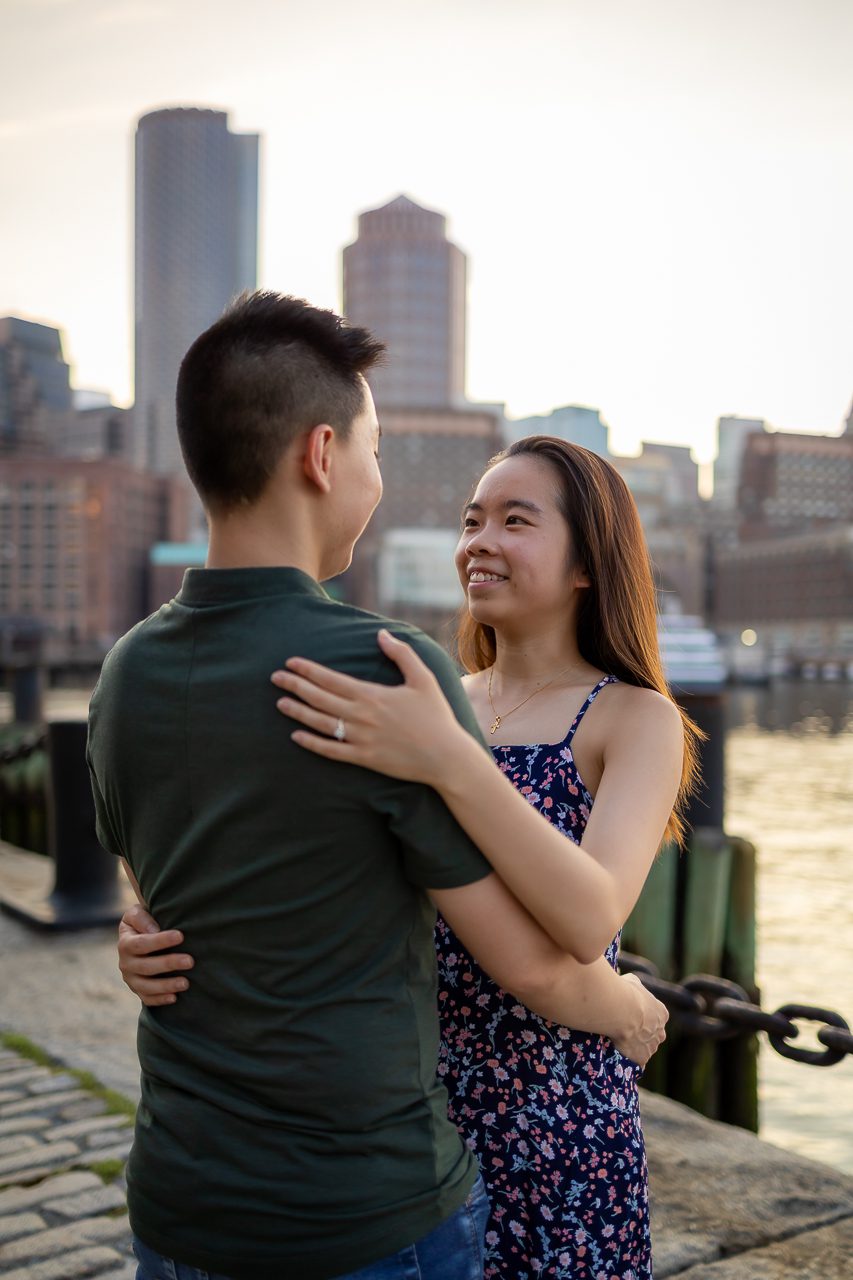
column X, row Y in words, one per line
column 524, row 503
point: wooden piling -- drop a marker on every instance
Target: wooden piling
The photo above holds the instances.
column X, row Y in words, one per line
column 692, row 1061
column 738, row 1058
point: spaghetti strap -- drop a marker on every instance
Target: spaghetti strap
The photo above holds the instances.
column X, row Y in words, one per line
column 587, row 703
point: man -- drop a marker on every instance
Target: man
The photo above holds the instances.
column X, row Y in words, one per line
column 291, row 1122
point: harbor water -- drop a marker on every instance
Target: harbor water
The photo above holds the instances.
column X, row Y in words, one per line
column 789, row 789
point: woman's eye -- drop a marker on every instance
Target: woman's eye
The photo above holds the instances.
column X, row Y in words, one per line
column 518, row 518
column 468, row 523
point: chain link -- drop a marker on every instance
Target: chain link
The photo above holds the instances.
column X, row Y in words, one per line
column 718, row 1009
column 23, row 749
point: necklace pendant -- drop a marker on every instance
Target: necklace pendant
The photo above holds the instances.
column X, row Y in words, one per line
column 493, row 728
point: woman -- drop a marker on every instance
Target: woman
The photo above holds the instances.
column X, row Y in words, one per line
column 560, row 631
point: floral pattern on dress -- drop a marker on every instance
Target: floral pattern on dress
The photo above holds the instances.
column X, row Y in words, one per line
column 551, row 1114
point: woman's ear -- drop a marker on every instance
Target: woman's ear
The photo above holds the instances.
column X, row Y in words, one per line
column 581, row 577
column 317, row 458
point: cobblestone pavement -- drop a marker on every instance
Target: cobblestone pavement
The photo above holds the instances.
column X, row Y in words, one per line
column 62, row 1197
column 63, row 990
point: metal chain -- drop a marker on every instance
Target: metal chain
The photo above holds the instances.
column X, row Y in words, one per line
column 24, row 749
column 718, row 1009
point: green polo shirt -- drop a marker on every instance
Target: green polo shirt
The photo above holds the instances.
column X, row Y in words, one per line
column 291, row 1122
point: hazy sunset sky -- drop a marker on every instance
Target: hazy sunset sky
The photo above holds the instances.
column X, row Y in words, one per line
column 655, row 196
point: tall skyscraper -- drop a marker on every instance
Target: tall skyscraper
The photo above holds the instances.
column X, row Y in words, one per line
column 35, row 392
column 196, row 242
column 405, row 281
column 732, row 435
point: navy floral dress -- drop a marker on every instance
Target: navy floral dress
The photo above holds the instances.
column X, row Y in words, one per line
column 551, row 1114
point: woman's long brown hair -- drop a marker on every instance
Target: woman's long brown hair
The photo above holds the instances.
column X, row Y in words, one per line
column 617, row 619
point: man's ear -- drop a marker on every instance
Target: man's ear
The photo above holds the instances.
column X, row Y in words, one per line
column 317, row 458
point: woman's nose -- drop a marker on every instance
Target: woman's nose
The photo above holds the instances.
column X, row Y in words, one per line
column 480, row 543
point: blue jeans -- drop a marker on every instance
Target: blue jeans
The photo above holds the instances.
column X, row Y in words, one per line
column 453, row 1251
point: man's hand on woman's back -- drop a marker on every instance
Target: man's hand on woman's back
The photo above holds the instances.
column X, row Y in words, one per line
column 141, row 958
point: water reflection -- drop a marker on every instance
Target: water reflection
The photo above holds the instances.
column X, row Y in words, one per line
column 796, row 706
column 789, row 766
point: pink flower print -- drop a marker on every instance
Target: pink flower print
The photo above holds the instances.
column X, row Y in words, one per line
column 492, row 1238
column 588, row 1131
column 547, row 1214
column 516, row 1228
column 564, row 1259
column 528, row 1037
column 607, row 1231
column 519, row 1011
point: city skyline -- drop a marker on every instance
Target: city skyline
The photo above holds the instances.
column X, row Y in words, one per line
column 654, row 205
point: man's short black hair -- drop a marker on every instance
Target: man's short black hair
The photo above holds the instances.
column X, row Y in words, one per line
column 269, row 369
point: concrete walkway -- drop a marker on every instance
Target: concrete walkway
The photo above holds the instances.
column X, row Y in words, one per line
column 725, row 1206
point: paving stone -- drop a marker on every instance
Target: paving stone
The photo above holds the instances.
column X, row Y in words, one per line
column 79, row 1128
column 100, row 1199
column 10, row 1095
column 47, row 1151
column 39, row 1104
column 63, row 1184
column 83, row 1108
column 16, row 1142
column 72, row 1235
column 13, row 1062
column 36, row 1171
column 108, row 1137
column 53, row 1084
column 19, row 1224
column 23, row 1124
column 25, row 1076
column 127, row 1272
column 73, row 1266
column 119, row 1152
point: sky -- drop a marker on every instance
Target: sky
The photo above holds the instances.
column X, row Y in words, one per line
column 655, row 196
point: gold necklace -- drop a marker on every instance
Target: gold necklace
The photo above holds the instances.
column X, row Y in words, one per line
column 499, row 719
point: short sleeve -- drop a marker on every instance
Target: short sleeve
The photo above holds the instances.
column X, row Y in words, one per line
column 437, row 853
column 103, row 825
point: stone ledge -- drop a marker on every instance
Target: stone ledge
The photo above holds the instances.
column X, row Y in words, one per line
column 718, row 1191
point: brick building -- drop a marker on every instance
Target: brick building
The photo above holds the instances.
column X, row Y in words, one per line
column 794, row 590
column 74, row 544
column 795, row 481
